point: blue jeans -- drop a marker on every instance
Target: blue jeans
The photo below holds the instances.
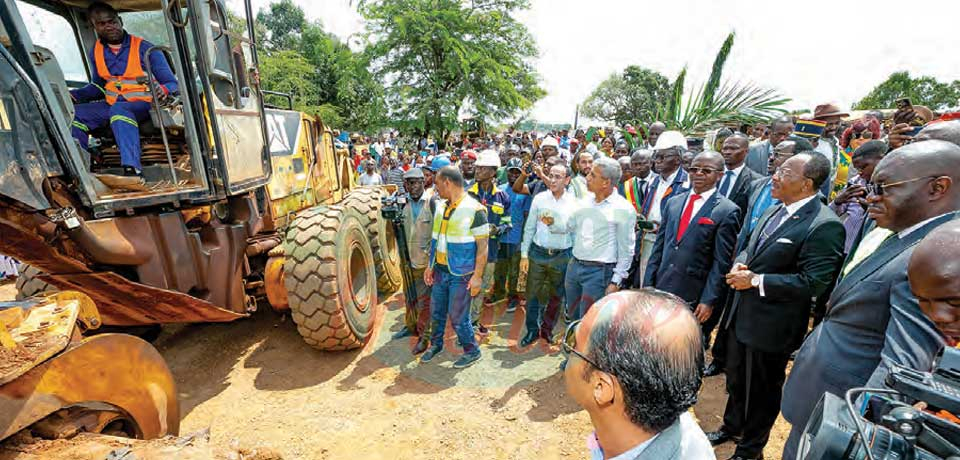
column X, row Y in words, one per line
column 451, row 295
column 545, row 285
column 585, row 284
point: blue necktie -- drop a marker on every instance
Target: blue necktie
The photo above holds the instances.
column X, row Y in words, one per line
column 727, row 178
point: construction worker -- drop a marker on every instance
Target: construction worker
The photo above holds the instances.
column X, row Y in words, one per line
column 458, row 256
column 117, row 93
column 417, row 222
column 497, row 203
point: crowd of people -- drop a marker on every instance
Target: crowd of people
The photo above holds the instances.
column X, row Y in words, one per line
column 654, row 246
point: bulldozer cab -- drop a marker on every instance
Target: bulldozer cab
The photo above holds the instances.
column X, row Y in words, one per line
column 203, row 143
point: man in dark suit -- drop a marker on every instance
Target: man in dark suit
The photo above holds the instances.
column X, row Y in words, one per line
column 694, row 248
column 737, row 182
column 668, row 183
column 791, row 256
column 760, row 153
column 871, row 314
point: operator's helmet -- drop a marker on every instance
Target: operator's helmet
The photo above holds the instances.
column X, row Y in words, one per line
column 488, row 158
column 438, row 163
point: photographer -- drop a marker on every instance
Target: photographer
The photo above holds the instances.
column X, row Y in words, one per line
column 418, row 223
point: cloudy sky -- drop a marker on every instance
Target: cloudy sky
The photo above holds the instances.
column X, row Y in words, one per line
column 834, row 50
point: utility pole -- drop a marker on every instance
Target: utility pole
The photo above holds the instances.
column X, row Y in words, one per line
column 576, row 118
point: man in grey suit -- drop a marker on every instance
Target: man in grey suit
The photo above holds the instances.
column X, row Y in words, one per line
column 634, row 364
column 873, row 318
column 759, row 154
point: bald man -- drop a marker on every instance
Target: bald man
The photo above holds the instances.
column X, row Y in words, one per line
column 945, row 131
column 934, row 273
column 656, row 129
column 914, row 190
column 638, row 414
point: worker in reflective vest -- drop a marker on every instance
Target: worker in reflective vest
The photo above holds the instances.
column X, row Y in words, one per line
column 117, row 93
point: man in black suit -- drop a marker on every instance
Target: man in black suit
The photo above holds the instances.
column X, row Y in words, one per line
column 914, row 189
column 738, row 180
column 694, row 248
column 791, row 256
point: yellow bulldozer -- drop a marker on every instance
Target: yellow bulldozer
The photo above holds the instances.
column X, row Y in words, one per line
column 239, row 202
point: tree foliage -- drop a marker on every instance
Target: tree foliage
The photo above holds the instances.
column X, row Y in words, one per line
column 322, row 74
column 718, row 102
column 627, row 97
column 921, row 91
column 439, row 57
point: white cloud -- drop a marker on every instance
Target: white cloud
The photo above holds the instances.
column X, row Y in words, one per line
column 812, row 52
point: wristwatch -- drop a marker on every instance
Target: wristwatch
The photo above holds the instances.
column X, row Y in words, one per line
column 755, row 280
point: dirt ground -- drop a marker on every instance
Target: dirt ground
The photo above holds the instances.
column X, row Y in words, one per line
column 254, row 382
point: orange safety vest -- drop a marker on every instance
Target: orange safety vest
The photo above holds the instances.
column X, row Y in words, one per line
column 123, row 85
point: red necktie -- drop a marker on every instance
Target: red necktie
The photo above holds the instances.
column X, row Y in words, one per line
column 687, row 215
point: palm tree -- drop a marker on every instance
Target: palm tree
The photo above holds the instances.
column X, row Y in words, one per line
column 717, row 103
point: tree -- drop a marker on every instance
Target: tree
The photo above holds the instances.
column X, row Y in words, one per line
column 718, row 103
column 441, row 56
column 284, row 21
column 627, row 97
column 921, row 91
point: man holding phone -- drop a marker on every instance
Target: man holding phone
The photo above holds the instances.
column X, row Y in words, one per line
column 850, row 204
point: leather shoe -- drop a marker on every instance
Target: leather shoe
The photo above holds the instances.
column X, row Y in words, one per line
column 711, row 370
column 719, row 437
column 421, row 346
column 529, row 338
column 401, row 333
column 741, row 457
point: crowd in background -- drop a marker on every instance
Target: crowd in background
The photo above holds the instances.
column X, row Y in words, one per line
column 748, row 234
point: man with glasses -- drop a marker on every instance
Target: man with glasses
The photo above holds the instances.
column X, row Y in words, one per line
column 544, row 254
column 634, row 365
column 759, row 154
column 872, row 315
column 668, row 183
column 792, row 256
column 694, row 250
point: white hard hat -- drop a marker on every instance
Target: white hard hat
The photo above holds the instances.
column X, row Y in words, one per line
column 549, row 141
column 670, row 139
column 488, row 158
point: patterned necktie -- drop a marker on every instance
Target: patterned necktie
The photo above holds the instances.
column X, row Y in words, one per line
column 871, row 241
column 725, row 186
column 772, row 225
column 686, row 216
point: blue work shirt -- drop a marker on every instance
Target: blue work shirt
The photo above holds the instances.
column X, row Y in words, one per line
column 519, row 207
column 117, row 65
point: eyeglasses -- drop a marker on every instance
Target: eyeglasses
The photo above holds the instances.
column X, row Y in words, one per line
column 569, row 344
column 664, row 155
column 702, row 170
column 877, row 188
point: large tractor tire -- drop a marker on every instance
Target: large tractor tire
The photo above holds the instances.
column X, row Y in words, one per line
column 386, row 258
column 29, row 285
column 330, row 279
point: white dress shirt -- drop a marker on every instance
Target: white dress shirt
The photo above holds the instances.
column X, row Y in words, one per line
column 733, row 178
column 792, row 209
column 697, row 204
column 604, row 232
column 535, row 231
column 661, row 190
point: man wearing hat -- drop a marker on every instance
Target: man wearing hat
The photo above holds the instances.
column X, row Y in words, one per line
column 668, row 183
column 468, row 161
column 370, row 176
column 828, row 145
column 418, row 224
column 430, row 170
column 812, row 130
column 497, row 204
column 508, row 265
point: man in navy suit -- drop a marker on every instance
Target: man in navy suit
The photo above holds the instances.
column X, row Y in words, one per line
column 693, row 250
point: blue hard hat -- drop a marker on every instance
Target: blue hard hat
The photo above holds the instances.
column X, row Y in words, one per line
column 438, row 163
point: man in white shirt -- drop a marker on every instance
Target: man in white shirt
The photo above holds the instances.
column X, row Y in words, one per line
column 370, row 176
column 544, row 255
column 604, row 237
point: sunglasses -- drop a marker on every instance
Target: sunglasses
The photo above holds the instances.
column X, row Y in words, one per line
column 702, row 170
column 569, row 344
column 877, row 188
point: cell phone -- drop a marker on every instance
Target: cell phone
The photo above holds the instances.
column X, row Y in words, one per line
column 916, row 130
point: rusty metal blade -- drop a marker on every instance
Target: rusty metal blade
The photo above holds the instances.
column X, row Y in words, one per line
column 122, row 302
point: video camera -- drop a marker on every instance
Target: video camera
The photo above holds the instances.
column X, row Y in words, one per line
column 391, row 206
column 890, row 424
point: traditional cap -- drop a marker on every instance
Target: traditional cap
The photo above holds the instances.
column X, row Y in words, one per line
column 488, row 158
column 514, row 163
column 413, row 173
column 550, row 141
column 670, row 139
column 828, row 110
column 810, row 129
column 468, row 154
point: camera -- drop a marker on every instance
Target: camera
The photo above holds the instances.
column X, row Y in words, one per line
column 890, row 424
column 391, row 206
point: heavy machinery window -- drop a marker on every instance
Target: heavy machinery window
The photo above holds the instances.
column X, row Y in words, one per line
column 54, row 33
column 150, row 25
